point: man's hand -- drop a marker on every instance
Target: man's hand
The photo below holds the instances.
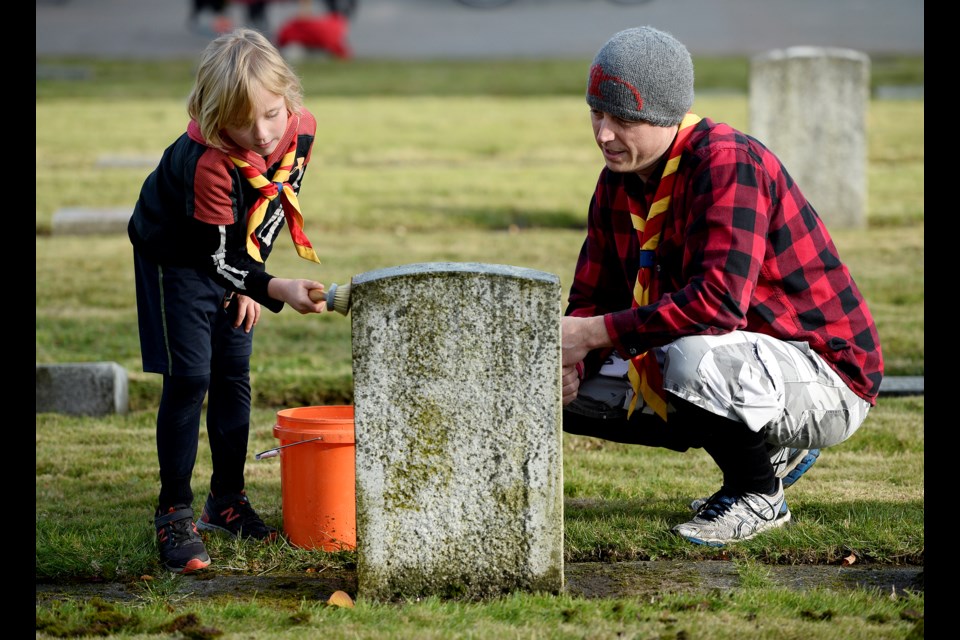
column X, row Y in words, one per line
column 580, row 336
column 571, row 384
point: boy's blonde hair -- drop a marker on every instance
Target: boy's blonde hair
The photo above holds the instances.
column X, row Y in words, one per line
column 233, row 68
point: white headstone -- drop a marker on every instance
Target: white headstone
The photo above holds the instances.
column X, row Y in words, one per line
column 809, row 106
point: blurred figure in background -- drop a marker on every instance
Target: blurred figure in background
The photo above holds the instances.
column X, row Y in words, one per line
column 345, row 8
column 209, row 17
column 257, row 15
column 212, row 17
column 312, row 32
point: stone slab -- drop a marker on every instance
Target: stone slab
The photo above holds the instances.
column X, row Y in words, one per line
column 85, row 388
column 901, row 386
column 116, row 161
column 89, row 221
column 809, row 106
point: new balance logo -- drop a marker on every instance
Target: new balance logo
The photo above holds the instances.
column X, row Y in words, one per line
column 229, row 515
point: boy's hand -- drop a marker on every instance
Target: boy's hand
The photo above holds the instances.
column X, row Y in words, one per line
column 306, row 296
column 247, row 312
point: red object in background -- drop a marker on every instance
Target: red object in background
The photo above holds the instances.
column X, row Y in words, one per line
column 328, row 33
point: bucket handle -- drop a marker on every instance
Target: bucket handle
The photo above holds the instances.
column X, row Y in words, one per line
column 270, row 453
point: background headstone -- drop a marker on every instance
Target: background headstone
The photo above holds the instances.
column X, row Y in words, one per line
column 809, row 106
column 84, row 388
column 86, row 221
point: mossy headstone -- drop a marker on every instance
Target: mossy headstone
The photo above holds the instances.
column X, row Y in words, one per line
column 458, row 408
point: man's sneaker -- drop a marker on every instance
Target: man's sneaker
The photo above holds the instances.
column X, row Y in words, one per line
column 788, row 464
column 799, row 461
column 727, row 517
column 233, row 514
column 181, row 549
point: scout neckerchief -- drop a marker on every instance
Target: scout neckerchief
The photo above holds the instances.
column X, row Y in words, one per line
column 644, row 370
column 270, row 190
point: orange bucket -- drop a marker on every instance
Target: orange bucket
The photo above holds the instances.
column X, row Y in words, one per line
column 318, row 476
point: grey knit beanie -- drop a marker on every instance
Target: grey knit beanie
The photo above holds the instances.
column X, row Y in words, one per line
column 642, row 74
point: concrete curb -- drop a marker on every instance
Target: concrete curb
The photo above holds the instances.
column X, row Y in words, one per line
column 902, row 386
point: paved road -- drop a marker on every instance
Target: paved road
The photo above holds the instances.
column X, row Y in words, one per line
column 421, row 29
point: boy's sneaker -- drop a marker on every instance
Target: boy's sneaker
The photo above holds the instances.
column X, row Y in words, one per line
column 233, row 514
column 181, row 549
column 788, row 464
column 727, row 517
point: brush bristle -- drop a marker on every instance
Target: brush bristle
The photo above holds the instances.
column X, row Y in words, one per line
column 338, row 298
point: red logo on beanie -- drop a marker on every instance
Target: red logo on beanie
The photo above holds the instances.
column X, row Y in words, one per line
column 598, row 76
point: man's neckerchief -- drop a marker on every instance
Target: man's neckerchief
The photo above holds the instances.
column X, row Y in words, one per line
column 644, row 370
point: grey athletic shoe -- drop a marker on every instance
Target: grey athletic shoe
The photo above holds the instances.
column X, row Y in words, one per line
column 727, row 517
column 788, row 464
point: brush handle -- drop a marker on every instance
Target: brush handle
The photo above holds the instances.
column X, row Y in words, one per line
column 317, row 295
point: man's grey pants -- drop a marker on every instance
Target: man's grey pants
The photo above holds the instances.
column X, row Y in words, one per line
column 782, row 388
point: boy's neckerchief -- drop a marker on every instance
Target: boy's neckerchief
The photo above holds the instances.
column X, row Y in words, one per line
column 269, row 190
column 644, row 370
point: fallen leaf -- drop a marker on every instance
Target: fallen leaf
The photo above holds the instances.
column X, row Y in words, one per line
column 849, row 560
column 340, row 599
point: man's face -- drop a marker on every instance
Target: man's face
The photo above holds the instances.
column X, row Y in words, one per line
column 630, row 145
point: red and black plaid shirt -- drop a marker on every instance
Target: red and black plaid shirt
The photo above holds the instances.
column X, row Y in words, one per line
column 742, row 249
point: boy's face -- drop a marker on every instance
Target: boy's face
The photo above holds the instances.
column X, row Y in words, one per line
column 629, row 145
column 263, row 133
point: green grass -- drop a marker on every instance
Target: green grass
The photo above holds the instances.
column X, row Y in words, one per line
column 760, row 612
column 95, row 479
column 498, row 170
column 73, row 77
